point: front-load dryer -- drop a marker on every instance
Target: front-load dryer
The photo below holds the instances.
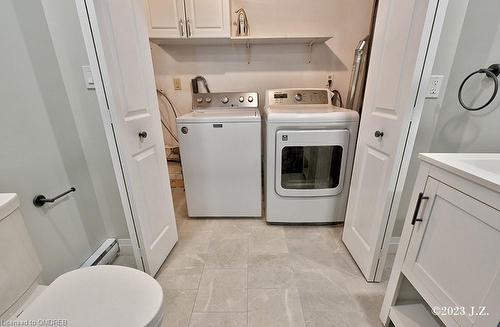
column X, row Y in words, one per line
column 309, row 152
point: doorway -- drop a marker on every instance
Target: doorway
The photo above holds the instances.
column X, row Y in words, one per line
column 469, row 41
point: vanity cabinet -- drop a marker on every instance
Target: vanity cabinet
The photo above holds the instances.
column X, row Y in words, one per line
column 177, row 19
column 450, row 250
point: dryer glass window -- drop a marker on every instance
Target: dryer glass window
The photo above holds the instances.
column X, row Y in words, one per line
column 311, row 167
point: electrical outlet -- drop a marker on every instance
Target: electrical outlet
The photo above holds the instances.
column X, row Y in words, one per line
column 177, row 84
column 329, row 80
column 434, row 86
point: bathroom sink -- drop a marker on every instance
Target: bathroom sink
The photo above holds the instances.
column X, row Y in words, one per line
column 483, row 168
column 491, row 165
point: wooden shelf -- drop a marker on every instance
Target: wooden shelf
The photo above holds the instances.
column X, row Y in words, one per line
column 413, row 315
column 306, row 40
column 280, row 39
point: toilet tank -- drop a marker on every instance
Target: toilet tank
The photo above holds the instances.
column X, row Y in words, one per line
column 19, row 264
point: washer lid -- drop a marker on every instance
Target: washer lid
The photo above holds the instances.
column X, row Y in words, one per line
column 220, row 116
column 8, row 203
column 100, row 296
column 310, row 114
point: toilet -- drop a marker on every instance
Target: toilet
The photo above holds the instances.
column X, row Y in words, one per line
column 93, row 296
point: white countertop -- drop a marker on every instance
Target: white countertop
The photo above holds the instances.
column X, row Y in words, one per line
column 480, row 168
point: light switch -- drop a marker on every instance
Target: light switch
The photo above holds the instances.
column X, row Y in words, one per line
column 88, row 78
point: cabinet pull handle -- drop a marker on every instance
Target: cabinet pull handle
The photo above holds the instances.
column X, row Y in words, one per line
column 188, row 27
column 181, row 27
column 417, row 208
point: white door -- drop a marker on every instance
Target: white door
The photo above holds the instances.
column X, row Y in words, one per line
column 119, row 33
column 166, row 18
column 400, row 43
column 208, row 18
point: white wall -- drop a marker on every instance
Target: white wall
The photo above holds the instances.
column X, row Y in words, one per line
column 271, row 66
column 470, row 40
column 41, row 148
column 458, row 130
column 69, row 47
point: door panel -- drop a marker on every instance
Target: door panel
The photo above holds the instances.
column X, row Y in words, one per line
column 449, row 219
column 208, row 18
column 397, row 58
column 222, row 173
column 310, row 162
column 120, row 33
column 166, row 18
column 377, row 161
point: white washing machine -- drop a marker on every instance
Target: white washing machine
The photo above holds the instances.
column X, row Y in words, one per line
column 220, row 146
column 309, row 151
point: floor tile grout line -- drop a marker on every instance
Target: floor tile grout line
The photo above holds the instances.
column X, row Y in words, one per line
column 197, row 292
column 248, row 267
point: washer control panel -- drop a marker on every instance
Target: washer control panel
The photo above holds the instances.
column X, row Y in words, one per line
column 297, row 96
column 230, row 100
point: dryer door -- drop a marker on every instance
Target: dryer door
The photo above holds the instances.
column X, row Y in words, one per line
column 310, row 162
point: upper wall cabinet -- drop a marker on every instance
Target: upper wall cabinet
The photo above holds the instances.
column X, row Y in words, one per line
column 165, row 18
column 208, row 18
column 175, row 19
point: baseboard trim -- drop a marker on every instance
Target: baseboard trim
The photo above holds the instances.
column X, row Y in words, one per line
column 125, row 245
column 104, row 255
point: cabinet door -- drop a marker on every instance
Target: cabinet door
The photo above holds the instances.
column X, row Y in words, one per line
column 208, row 18
column 166, row 18
column 453, row 255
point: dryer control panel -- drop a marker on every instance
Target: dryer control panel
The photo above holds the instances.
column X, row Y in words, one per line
column 298, row 96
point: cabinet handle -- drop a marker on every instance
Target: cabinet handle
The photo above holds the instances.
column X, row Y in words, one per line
column 417, row 208
column 188, row 27
column 181, row 27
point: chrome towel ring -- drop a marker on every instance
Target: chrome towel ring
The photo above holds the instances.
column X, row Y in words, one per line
column 492, row 72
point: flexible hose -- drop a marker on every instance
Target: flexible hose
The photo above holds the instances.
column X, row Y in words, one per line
column 337, row 96
column 204, row 81
column 170, row 102
column 172, row 107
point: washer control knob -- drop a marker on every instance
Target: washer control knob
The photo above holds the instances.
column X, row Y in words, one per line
column 241, row 99
column 208, row 99
column 298, row 97
column 199, row 100
column 250, row 99
column 224, row 100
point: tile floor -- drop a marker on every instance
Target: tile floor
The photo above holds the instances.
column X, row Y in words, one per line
column 243, row 272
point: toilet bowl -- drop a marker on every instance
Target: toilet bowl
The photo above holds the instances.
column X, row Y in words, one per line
column 92, row 296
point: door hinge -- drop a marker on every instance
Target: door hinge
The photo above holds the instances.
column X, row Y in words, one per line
column 109, row 116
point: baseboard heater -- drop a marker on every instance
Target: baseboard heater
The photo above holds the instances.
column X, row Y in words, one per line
column 104, row 255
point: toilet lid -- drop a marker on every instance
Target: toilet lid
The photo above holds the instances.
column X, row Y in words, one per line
column 100, row 296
